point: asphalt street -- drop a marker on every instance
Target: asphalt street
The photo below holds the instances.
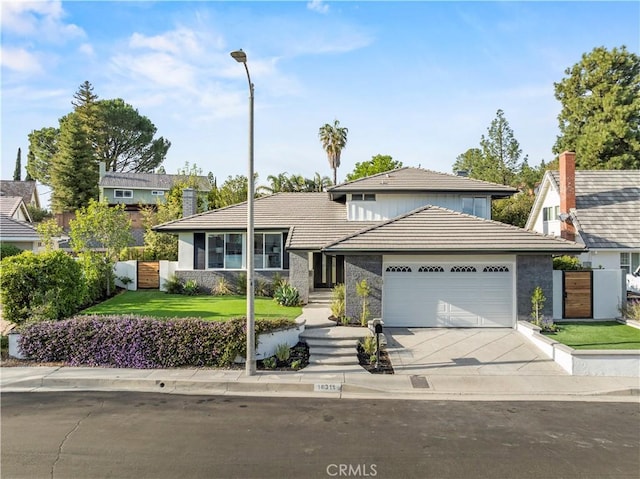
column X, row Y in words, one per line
column 148, row 435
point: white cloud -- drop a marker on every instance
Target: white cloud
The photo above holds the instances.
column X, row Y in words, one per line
column 87, row 49
column 39, row 20
column 318, row 6
column 19, row 60
column 181, row 41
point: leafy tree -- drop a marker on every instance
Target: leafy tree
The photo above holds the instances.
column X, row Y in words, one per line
column 514, row 210
column 43, row 145
column 600, row 116
column 74, row 175
column 99, row 225
column 37, row 214
column 333, row 139
column 126, row 142
column 472, row 161
column 233, row 191
column 294, row 183
column 318, row 183
column 377, row 164
column 17, row 172
column 48, row 231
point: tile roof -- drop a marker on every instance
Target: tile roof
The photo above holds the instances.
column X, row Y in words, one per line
column 607, row 207
column 431, row 229
column 113, row 179
column 15, row 230
column 418, row 179
column 9, row 204
column 24, row 189
column 314, row 220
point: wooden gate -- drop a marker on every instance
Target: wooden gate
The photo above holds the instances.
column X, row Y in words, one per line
column 577, row 289
column 148, row 274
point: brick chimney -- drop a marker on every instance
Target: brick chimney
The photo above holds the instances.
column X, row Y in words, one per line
column 567, row 193
column 189, row 202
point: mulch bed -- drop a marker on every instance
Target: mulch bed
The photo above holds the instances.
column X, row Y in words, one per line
column 385, row 362
column 300, row 352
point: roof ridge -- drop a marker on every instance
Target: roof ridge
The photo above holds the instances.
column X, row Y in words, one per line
column 369, row 177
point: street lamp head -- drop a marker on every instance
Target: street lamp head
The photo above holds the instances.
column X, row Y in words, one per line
column 239, row 56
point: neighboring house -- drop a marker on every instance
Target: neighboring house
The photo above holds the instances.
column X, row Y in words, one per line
column 140, row 190
column 422, row 240
column 27, row 190
column 597, row 208
column 15, row 224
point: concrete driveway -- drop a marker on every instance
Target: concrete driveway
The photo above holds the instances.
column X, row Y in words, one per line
column 490, row 352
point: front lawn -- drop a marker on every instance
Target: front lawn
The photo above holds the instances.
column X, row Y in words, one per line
column 157, row 304
column 597, row 335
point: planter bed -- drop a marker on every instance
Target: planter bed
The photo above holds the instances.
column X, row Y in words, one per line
column 584, row 362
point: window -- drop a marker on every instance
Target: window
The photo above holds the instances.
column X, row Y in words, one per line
column 463, row 269
column 157, row 193
column 227, row 251
column 476, row 206
column 629, row 261
column 123, row 193
column 363, row 197
column 398, row 269
column 550, row 213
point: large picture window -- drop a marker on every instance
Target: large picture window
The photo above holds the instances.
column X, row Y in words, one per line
column 227, row 251
column 476, row 206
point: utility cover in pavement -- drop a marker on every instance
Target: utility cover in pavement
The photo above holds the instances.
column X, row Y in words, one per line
column 419, row 382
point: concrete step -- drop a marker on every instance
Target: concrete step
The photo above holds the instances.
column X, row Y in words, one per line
column 319, row 324
column 337, row 332
column 332, row 343
column 333, row 360
column 315, row 351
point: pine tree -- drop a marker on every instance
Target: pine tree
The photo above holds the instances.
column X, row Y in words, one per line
column 501, row 151
column 17, row 173
column 28, row 177
column 74, row 173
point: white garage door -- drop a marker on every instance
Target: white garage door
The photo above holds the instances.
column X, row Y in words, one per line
column 465, row 295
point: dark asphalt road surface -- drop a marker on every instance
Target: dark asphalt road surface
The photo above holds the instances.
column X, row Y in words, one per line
column 142, row 435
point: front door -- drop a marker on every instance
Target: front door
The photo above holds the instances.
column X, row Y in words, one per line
column 578, row 294
column 327, row 270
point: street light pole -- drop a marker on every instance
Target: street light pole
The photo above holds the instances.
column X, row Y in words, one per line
column 250, row 363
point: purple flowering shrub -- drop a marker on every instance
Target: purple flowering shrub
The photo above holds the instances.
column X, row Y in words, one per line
column 138, row 342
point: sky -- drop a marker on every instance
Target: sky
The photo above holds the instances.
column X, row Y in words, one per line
column 419, row 81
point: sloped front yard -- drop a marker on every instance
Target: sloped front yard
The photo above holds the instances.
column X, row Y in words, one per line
column 157, row 304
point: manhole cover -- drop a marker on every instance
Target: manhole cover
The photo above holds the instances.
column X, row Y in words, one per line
column 419, row 382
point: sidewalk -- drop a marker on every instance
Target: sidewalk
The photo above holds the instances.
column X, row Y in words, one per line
column 437, row 365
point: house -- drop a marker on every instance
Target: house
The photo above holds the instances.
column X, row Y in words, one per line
column 15, row 224
column 598, row 208
column 140, row 190
column 27, row 190
column 424, row 241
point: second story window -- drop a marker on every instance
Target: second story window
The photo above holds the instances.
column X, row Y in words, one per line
column 123, row 194
column 157, row 193
column 475, row 206
column 363, row 197
column 550, row 213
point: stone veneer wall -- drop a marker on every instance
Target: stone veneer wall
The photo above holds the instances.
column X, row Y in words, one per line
column 357, row 268
column 532, row 271
column 208, row 279
column 299, row 273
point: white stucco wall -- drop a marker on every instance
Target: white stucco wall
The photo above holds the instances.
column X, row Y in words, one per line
column 608, row 290
column 389, row 206
column 167, row 269
column 551, row 199
column 127, row 269
column 600, row 259
column 185, row 251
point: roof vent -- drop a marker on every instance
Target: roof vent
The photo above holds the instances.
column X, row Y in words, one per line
column 462, row 173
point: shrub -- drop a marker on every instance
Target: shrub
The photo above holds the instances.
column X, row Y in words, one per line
column 98, row 276
column 369, row 345
column 45, row 286
column 173, row 285
column 537, row 304
column 222, row 287
column 264, row 288
column 269, row 363
column 287, row 295
column 631, row 310
column 7, row 250
column 363, row 290
column 241, row 283
column 338, row 308
column 567, row 263
column 137, row 342
column 297, row 364
column 190, row 288
column 283, row 352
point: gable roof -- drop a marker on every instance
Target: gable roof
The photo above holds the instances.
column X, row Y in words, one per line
column 149, row 181
column 10, row 204
column 14, row 230
column 607, row 213
column 408, row 179
column 432, row 229
column 313, row 220
column 27, row 190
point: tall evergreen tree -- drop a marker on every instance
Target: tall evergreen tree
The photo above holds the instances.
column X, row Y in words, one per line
column 17, row 172
column 600, row 116
column 28, row 176
column 501, row 151
column 74, row 173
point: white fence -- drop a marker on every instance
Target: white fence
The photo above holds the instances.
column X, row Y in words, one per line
column 129, row 269
column 609, row 292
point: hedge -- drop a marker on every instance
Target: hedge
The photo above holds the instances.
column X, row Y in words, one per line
column 139, row 342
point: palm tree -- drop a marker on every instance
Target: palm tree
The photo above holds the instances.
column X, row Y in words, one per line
column 333, row 139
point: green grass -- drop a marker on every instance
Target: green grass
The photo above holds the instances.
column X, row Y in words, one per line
column 157, row 304
column 597, row 335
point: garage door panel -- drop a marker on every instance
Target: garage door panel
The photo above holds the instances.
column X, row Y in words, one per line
column 434, row 296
